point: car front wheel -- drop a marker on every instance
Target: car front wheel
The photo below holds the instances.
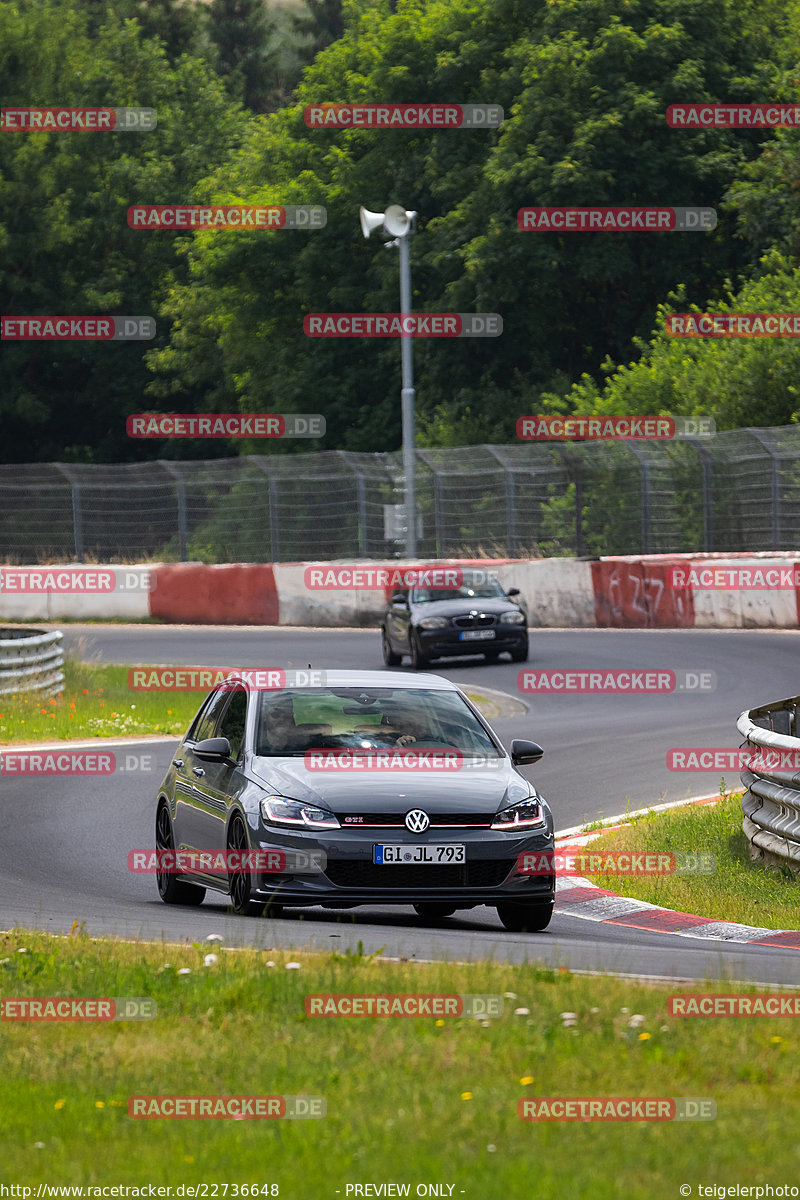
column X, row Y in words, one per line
column 520, row 653
column 419, row 660
column 239, row 881
column 525, row 918
column 434, row 912
column 389, row 657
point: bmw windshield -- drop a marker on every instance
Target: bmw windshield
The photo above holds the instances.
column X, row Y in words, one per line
column 487, row 589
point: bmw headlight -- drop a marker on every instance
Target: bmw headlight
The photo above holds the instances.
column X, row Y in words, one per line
column 277, row 810
column 512, row 618
column 527, row 814
column 434, row 623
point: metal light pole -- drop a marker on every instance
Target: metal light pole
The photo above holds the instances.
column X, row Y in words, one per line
column 399, row 223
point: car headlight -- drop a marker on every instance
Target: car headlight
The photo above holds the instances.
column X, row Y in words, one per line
column 512, row 618
column 525, row 815
column 434, row 623
column 277, row 810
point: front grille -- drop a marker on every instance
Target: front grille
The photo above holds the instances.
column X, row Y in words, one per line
column 470, row 622
column 489, row 873
column 438, row 820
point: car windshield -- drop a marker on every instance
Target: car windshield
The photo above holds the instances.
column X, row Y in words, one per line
column 293, row 721
column 486, row 589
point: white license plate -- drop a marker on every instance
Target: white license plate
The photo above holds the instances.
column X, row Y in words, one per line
column 476, row 635
column 405, row 855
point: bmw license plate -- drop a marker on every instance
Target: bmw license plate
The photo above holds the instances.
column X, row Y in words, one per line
column 405, row 855
column 476, row 635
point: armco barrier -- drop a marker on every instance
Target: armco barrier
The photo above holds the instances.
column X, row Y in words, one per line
column 771, row 804
column 30, row 661
column 619, row 592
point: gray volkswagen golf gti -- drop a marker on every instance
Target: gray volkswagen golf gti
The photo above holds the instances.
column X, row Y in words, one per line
column 375, row 788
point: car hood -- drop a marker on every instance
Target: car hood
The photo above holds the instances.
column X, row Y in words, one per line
column 455, row 608
column 468, row 789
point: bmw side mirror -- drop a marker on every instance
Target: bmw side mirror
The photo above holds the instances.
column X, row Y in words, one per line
column 400, row 598
column 522, row 752
column 512, row 592
column 213, row 750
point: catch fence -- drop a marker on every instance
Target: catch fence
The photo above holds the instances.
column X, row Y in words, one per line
column 737, row 491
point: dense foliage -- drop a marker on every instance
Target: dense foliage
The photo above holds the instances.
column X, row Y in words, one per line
column 584, row 85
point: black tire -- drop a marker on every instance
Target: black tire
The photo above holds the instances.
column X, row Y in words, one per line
column 419, row 660
column 520, row 655
column 239, row 881
column 434, row 912
column 525, row 918
column 170, row 889
column 389, row 657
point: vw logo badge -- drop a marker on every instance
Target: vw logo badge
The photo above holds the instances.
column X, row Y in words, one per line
column 417, row 821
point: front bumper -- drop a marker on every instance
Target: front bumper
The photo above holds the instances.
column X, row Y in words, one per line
column 489, row 876
column 446, row 643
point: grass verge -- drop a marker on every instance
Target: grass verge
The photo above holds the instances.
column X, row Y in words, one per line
column 739, row 890
column 95, row 701
column 408, row 1101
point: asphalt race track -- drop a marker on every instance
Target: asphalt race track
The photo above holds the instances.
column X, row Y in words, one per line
column 64, row 845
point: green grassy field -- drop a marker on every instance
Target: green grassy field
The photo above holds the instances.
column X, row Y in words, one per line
column 739, row 890
column 408, row 1100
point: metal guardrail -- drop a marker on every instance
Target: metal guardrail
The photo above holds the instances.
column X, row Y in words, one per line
column 30, row 661
column 771, row 803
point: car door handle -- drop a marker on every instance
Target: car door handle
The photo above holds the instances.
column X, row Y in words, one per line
column 198, row 771
column 177, row 762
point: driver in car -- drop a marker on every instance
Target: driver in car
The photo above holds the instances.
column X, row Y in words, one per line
column 413, row 726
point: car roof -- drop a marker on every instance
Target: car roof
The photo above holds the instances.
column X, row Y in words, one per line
column 396, row 679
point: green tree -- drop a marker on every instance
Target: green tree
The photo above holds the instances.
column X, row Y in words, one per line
column 241, row 31
column 65, row 246
column 584, row 85
column 321, row 23
column 177, row 23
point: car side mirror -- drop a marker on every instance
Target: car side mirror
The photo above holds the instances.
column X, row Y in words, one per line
column 400, row 598
column 524, row 752
column 216, row 749
column 512, row 592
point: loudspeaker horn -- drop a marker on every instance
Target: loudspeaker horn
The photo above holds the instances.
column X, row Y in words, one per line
column 369, row 221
